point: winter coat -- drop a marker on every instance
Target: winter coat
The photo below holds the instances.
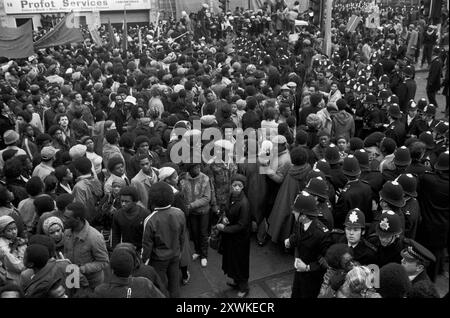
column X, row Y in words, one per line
column 220, row 175
column 343, row 125
column 434, row 209
column 128, row 225
column 88, row 191
column 142, row 183
column 327, row 122
column 235, row 247
column 128, row 287
column 255, row 180
column 281, row 219
column 197, row 192
column 11, row 260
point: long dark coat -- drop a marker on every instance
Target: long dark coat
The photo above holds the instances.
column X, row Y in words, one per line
column 434, row 229
column 255, row 180
column 235, row 248
column 281, row 219
column 310, row 247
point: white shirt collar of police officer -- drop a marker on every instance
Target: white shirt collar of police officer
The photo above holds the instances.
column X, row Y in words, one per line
column 306, row 226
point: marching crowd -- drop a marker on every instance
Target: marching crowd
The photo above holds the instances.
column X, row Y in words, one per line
column 351, row 172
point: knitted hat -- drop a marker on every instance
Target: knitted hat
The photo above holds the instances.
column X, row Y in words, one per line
column 5, row 220
column 83, row 165
column 10, row 137
column 239, row 177
column 77, row 151
column 48, row 153
column 49, row 222
column 113, row 162
column 121, row 263
column 165, row 172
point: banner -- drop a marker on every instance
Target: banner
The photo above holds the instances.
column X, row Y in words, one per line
column 65, row 32
column 353, row 23
column 54, row 6
column 16, row 42
column 373, row 21
column 95, row 36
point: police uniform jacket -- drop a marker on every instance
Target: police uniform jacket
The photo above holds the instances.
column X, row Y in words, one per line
column 364, row 252
column 310, row 246
column 412, row 217
column 387, row 254
column 356, row 194
column 396, row 130
column 434, row 208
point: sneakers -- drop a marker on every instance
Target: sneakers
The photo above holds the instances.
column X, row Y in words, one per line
column 204, row 262
column 186, row 280
column 195, row 256
column 242, row 294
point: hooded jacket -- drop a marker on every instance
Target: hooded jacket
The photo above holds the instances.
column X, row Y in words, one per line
column 343, row 125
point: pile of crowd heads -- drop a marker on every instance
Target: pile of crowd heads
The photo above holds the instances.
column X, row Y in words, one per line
column 354, row 184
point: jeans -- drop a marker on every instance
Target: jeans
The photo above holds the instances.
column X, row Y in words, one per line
column 199, row 224
column 169, row 272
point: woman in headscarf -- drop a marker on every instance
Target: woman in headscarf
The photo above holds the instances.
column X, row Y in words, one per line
column 12, row 250
column 235, row 230
column 54, row 228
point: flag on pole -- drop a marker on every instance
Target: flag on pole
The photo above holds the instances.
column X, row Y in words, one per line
column 125, row 30
column 112, row 38
column 65, row 32
column 16, row 42
column 140, row 40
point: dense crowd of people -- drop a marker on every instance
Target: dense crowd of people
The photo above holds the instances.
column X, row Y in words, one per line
column 350, row 171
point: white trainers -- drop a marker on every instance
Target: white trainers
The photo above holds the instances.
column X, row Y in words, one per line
column 204, row 262
column 195, row 256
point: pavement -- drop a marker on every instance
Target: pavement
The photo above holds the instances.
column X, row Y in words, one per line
column 271, row 275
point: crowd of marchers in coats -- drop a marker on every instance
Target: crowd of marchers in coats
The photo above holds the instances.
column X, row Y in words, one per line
column 354, row 185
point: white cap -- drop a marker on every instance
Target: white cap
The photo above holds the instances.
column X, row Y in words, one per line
column 130, row 99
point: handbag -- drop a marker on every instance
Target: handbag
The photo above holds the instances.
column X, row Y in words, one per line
column 215, row 238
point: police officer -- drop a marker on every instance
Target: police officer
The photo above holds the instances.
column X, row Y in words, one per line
column 434, row 201
column 396, row 128
column 402, row 160
column 356, row 193
column 387, row 239
column 310, row 243
column 411, row 210
column 318, row 188
column 372, row 116
column 353, row 235
column 371, row 175
column 407, row 89
column 415, row 259
column 410, row 117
